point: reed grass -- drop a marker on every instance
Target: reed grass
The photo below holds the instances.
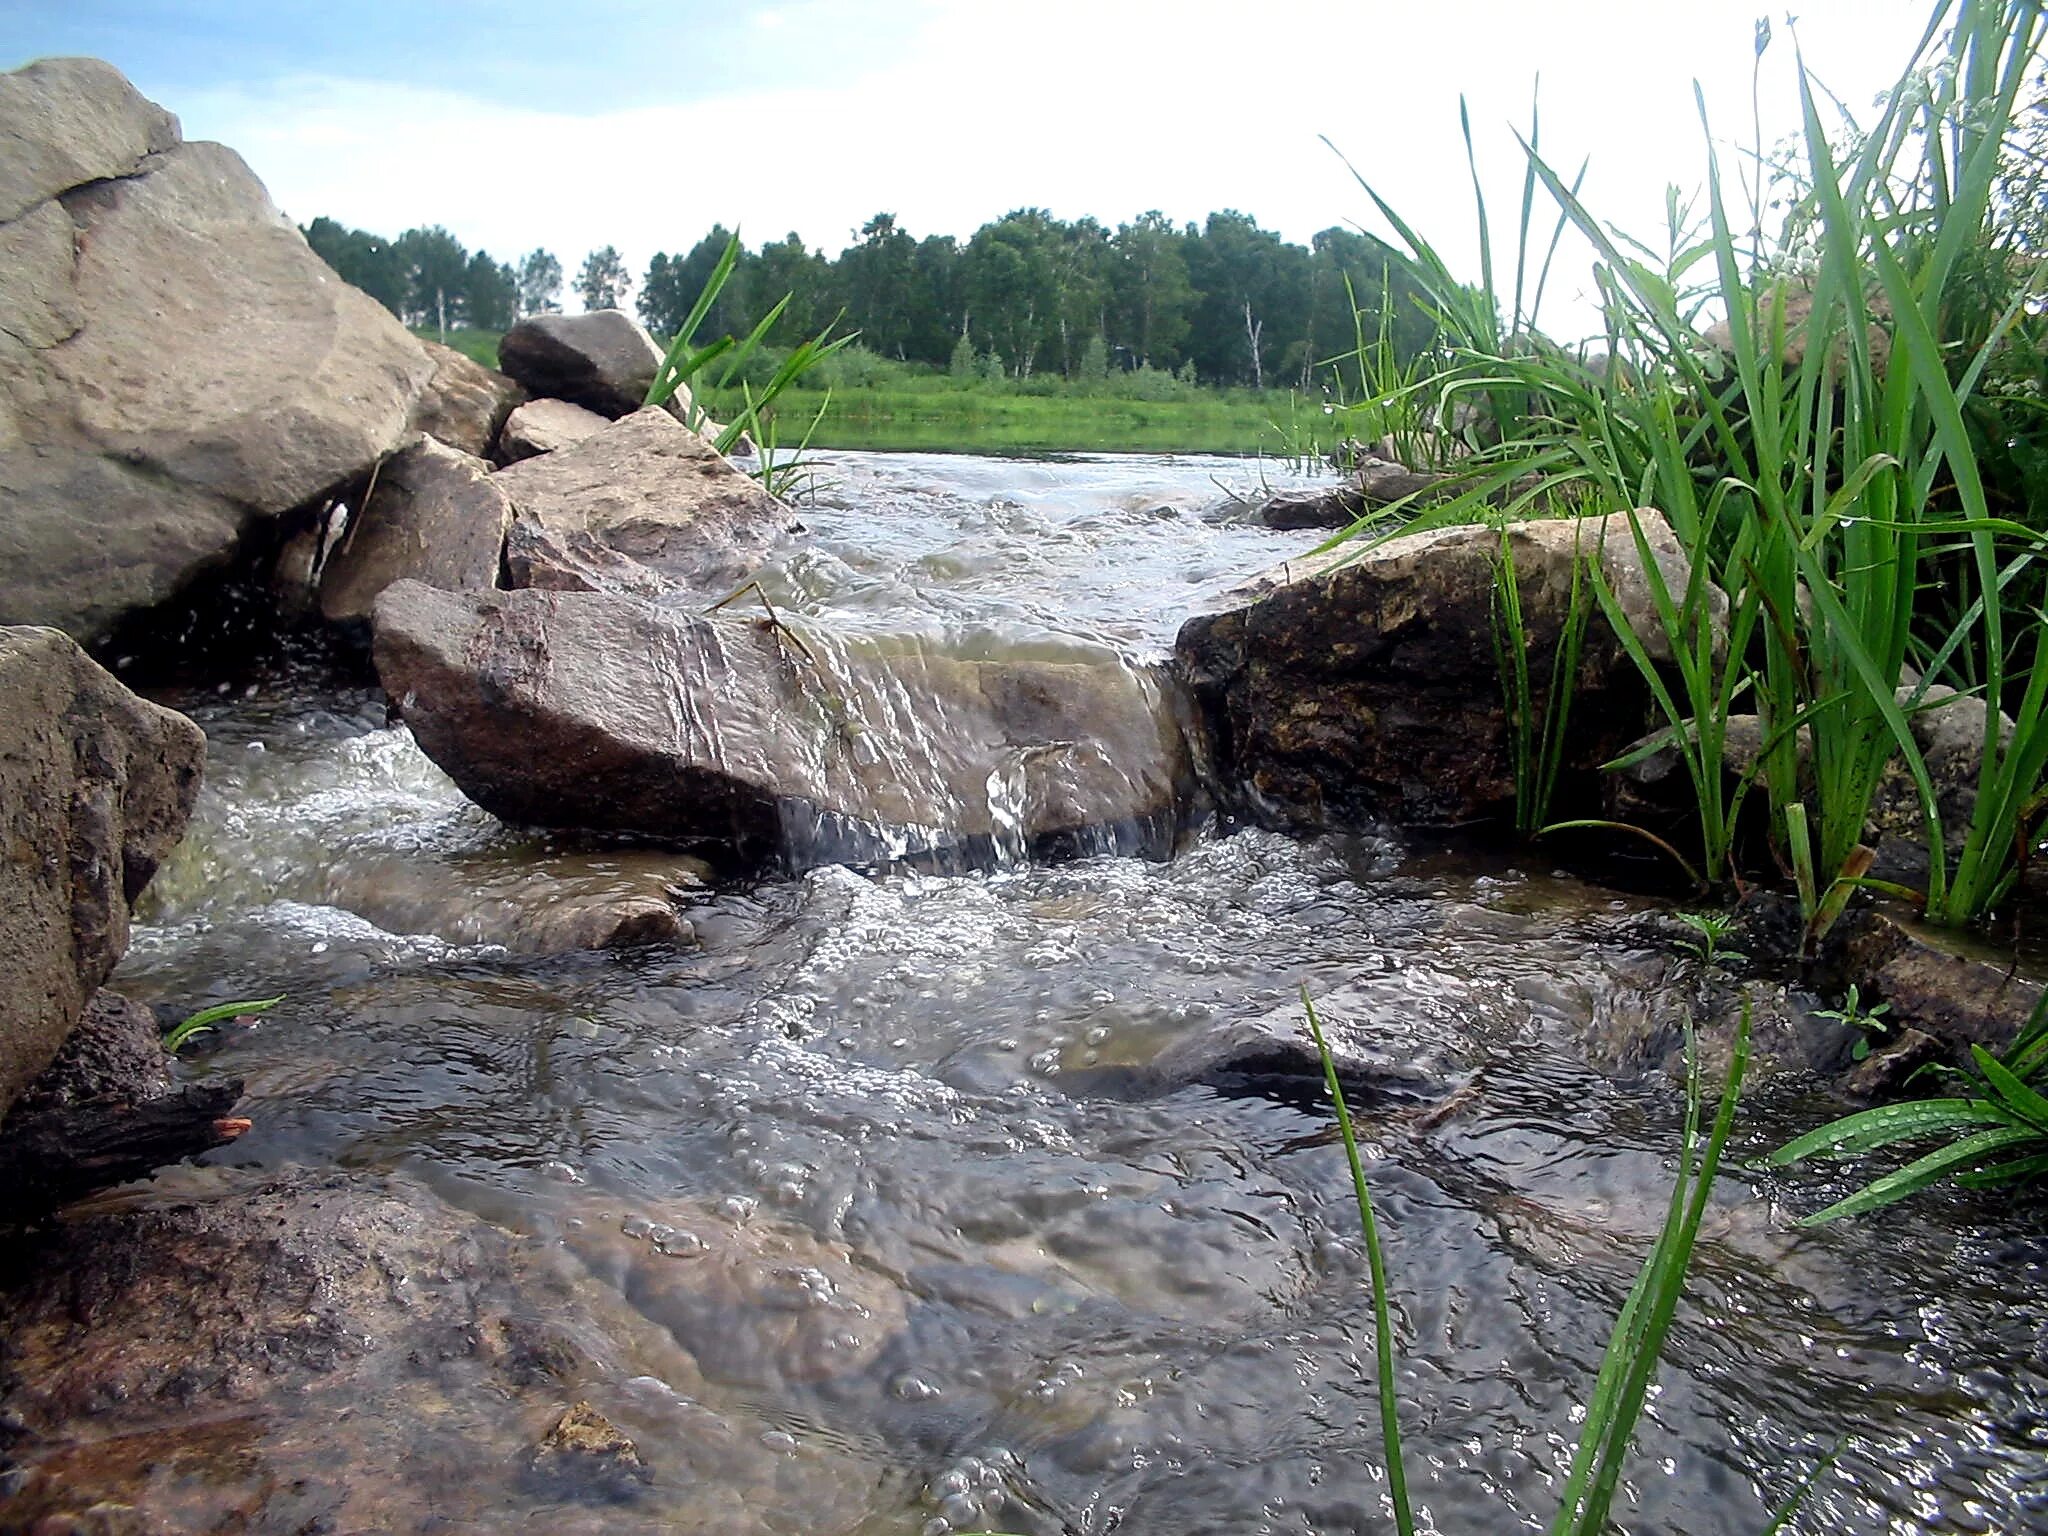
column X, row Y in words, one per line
column 1819, row 468
column 1629, row 1366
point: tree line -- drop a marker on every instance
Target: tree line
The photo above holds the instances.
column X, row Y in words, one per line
column 1224, row 300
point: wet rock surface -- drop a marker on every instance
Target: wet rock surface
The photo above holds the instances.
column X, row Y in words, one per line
column 96, row 786
column 643, row 506
column 106, row 1111
column 194, row 1363
column 1351, row 686
column 172, row 356
column 436, row 515
column 613, row 714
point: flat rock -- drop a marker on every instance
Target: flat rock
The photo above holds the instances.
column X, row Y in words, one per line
column 614, row 714
column 603, row 360
column 1365, row 683
column 176, row 365
column 543, row 426
column 643, row 506
column 96, row 786
column 464, row 403
column 436, row 515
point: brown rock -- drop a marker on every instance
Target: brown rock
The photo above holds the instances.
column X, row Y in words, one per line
column 464, row 404
column 614, row 714
column 603, row 360
column 176, row 365
column 542, row 426
column 643, row 506
column 1947, row 984
column 96, row 786
column 1354, row 686
column 436, row 515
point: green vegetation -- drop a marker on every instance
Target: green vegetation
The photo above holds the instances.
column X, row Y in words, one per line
column 1998, row 1128
column 1027, row 295
column 1829, row 459
column 1630, row 1364
column 478, row 346
column 1868, row 1022
column 1712, row 929
column 203, row 1021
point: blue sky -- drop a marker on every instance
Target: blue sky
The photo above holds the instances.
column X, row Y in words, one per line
column 574, row 125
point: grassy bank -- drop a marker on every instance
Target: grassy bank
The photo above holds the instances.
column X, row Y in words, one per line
column 975, row 418
column 481, row 346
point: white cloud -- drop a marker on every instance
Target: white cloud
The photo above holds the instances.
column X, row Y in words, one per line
column 1083, row 106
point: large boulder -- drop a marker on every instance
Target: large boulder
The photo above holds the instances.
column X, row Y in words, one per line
column 643, row 506
column 1358, row 686
column 436, row 514
column 610, row 713
column 96, row 786
column 176, row 365
column 603, row 360
column 464, row 404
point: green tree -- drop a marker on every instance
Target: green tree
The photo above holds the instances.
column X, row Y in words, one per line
column 876, row 276
column 604, row 281
column 1150, row 295
column 490, row 293
column 1254, row 298
column 1094, row 369
column 1009, row 277
column 361, row 258
column 937, row 312
column 786, row 266
column 436, row 271
column 961, row 364
column 540, row 284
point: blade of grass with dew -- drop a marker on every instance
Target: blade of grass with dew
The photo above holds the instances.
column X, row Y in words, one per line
column 1383, row 1323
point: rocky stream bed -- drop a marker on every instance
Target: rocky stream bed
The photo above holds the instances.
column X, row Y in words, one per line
column 987, row 1194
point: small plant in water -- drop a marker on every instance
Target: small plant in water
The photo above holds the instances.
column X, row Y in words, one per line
column 1623, row 1385
column 1712, row 928
column 1996, row 1130
column 1868, row 1022
column 203, row 1021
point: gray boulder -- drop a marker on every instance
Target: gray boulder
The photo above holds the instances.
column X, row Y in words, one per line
column 1365, row 683
column 643, row 506
column 544, row 426
column 66, row 122
column 464, row 404
column 176, row 365
column 436, row 514
column 96, row 786
column 610, row 713
column 604, row 360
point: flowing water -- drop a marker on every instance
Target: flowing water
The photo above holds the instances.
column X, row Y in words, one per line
column 1014, row 1279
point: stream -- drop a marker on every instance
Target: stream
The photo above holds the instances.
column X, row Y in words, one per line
column 1019, row 1281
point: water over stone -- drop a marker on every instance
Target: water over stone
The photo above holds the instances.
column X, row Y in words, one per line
column 780, row 740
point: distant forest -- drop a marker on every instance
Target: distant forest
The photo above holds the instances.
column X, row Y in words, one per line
column 1224, row 302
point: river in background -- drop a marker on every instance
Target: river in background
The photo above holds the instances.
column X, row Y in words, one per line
column 1087, row 1299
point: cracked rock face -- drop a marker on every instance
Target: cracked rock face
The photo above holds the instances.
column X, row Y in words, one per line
column 176, row 365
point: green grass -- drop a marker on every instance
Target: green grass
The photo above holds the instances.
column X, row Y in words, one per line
column 973, row 418
column 478, row 346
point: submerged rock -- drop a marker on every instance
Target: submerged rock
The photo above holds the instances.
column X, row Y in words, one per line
column 613, row 714
column 259, row 1353
column 436, row 515
column 643, row 506
column 176, row 366
column 1353, row 686
column 96, row 786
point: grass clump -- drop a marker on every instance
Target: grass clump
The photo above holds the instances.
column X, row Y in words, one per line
column 1821, row 452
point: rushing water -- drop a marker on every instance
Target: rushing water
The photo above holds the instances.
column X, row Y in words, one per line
column 1076, row 1299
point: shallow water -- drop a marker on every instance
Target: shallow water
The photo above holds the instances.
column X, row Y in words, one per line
column 1047, row 1293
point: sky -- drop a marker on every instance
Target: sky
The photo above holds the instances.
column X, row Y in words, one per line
column 571, row 126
